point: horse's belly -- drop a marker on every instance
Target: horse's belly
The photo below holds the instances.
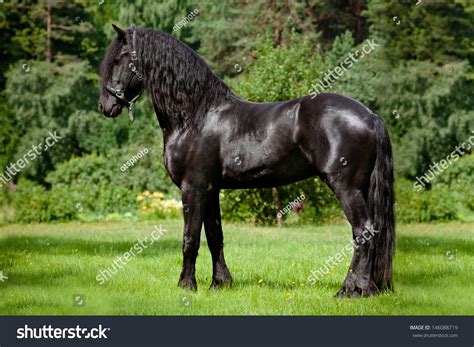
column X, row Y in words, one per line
column 266, row 172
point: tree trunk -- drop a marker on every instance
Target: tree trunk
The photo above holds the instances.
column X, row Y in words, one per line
column 48, row 32
column 357, row 14
column 277, row 201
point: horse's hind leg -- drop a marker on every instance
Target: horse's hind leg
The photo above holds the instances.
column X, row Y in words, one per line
column 215, row 240
column 358, row 280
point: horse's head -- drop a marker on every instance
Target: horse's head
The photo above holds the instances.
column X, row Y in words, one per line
column 122, row 83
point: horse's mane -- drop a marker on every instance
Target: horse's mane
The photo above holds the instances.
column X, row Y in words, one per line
column 180, row 83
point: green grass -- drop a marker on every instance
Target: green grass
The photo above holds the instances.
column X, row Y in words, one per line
column 47, row 264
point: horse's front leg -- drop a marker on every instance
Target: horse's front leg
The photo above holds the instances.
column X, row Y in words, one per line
column 194, row 204
column 215, row 240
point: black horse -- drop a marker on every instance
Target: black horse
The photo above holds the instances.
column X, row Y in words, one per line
column 215, row 140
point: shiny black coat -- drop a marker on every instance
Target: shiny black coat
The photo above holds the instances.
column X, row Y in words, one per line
column 215, row 140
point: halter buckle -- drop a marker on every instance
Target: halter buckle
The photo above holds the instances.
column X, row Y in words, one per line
column 130, row 113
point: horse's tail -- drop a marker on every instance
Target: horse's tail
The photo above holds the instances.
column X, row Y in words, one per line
column 381, row 200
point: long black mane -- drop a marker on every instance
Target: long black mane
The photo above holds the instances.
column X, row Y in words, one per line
column 180, row 83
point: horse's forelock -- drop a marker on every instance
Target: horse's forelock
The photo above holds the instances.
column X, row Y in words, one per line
column 107, row 65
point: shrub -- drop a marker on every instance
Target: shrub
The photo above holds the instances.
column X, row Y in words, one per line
column 33, row 203
column 281, row 73
column 436, row 204
column 459, row 180
column 257, row 206
column 94, row 169
column 250, row 206
column 154, row 205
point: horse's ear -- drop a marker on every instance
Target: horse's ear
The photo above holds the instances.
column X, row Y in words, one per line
column 122, row 36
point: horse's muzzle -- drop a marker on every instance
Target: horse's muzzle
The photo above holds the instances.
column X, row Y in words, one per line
column 111, row 111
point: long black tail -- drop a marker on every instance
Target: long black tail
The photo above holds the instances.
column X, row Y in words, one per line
column 381, row 200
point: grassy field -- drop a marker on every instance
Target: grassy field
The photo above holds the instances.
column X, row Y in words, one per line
column 49, row 265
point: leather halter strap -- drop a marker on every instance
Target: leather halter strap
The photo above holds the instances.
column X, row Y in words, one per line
column 120, row 93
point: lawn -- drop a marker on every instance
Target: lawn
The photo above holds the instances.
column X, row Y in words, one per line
column 48, row 266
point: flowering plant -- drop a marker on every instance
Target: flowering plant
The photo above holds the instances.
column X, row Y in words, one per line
column 155, row 204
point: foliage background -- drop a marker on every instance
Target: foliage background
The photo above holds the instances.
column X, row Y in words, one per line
column 420, row 80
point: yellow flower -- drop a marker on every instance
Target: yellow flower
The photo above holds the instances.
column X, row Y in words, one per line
column 260, row 281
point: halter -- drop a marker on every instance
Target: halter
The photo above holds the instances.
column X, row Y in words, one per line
column 119, row 93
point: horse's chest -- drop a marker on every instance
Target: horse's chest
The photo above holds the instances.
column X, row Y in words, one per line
column 175, row 161
column 188, row 157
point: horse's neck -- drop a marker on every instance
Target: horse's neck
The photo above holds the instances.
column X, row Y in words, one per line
column 174, row 114
column 176, row 105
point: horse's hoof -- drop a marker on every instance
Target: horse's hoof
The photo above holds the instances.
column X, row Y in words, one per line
column 189, row 284
column 356, row 292
column 221, row 279
column 370, row 291
column 347, row 293
column 343, row 293
column 221, row 283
